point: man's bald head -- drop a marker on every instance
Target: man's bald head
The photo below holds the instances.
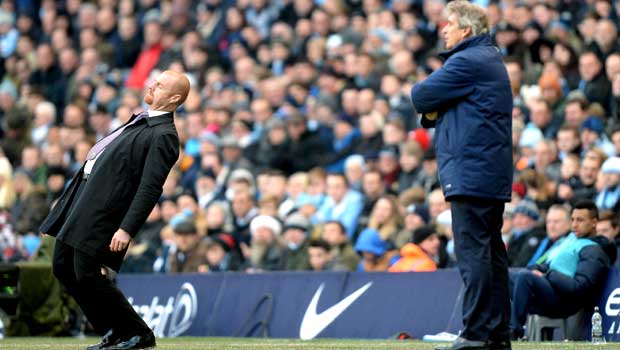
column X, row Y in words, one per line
column 180, row 84
column 167, row 92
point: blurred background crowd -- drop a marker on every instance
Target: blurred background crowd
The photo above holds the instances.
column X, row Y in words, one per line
column 300, row 147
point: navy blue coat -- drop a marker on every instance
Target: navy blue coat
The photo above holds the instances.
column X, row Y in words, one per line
column 472, row 97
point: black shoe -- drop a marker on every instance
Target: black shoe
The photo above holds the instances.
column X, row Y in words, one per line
column 464, row 344
column 109, row 339
column 145, row 341
column 499, row 345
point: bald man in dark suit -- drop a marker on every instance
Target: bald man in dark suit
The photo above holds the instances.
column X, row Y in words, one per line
column 105, row 205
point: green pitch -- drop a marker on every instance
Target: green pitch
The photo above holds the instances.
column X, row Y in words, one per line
column 191, row 343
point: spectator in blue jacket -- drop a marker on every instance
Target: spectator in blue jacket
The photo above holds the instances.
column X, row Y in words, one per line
column 377, row 254
column 572, row 277
column 469, row 102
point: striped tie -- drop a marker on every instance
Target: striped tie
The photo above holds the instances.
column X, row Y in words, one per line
column 101, row 145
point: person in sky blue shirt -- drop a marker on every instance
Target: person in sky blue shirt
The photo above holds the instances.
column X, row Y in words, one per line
column 342, row 204
column 571, row 278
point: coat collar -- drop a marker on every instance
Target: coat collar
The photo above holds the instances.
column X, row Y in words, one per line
column 160, row 119
column 478, row 40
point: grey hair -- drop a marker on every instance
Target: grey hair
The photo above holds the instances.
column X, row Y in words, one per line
column 46, row 108
column 469, row 16
column 355, row 159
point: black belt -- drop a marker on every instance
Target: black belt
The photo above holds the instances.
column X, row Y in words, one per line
column 85, row 176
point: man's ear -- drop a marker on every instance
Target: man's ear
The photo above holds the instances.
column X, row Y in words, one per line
column 175, row 98
column 467, row 32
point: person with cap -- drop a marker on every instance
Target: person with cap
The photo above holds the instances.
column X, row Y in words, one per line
column 343, row 254
column 377, row 255
column 295, row 235
column 221, row 254
column 190, row 252
column 419, row 254
column 551, row 91
column 571, row 278
column 107, row 202
column 471, row 111
column 415, row 216
column 608, row 197
column 267, row 250
column 592, row 135
column 526, row 233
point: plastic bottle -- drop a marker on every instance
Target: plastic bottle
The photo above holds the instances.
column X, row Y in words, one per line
column 597, row 327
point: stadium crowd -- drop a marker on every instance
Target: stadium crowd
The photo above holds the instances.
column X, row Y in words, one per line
column 301, row 149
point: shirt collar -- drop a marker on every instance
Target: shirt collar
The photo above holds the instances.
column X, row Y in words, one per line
column 156, row 113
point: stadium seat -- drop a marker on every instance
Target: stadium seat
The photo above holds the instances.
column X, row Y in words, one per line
column 541, row 328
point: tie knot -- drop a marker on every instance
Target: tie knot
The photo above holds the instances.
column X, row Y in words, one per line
column 137, row 117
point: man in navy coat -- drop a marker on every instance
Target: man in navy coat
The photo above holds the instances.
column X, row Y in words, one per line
column 469, row 103
column 105, row 205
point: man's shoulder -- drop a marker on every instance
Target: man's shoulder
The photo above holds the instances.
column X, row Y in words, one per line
column 475, row 54
column 164, row 130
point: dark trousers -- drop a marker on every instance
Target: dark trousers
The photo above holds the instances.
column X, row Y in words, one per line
column 104, row 305
column 483, row 263
column 532, row 294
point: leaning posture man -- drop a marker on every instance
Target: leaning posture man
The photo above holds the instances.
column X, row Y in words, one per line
column 571, row 277
column 107, row 202
column 469, row 103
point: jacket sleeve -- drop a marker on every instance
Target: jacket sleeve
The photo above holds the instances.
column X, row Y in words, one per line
column 590, row 274
column 451, row 82
column 161, row 156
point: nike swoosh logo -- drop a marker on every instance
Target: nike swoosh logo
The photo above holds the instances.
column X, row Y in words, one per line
column 312, row 324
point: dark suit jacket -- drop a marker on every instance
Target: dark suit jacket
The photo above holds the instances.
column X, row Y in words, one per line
column 124, row 185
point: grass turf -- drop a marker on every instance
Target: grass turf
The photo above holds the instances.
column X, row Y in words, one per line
column 195, row 343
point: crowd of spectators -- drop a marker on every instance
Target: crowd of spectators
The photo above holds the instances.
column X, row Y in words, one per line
column 300, row 147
